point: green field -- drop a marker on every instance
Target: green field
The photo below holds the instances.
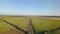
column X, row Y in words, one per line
column 39, row 24
column 21, row 22
column 44, row 24
column 4, row 26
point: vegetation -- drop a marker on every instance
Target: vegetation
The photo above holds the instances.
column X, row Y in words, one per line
column 40, row 24
column 21, row 22
column 3, row 26
column 44, row 24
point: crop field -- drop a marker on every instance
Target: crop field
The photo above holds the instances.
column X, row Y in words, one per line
column 19, row 21
column 46, row 25
column 20, row 25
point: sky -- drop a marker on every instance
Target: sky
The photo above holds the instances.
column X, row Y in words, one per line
column 30, row 7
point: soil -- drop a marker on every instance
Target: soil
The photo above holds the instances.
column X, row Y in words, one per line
column 12, row 31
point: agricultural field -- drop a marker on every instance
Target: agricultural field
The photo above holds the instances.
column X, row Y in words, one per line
column 46, row 25
column 41, row 25
column 21, row 22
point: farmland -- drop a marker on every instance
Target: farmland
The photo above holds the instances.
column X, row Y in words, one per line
column 45, row 24
column 40, row 24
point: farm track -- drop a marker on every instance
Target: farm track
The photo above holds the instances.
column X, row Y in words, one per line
column 31, row 29
column 15, row 26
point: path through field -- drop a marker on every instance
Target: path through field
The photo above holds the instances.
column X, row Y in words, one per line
column 30, row 27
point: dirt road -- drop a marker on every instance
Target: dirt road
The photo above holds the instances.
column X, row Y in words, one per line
column 31, row 29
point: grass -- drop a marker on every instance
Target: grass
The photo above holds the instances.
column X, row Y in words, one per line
column 39, row 24
column 4, row 27
column 21, row 22
column 42, row 24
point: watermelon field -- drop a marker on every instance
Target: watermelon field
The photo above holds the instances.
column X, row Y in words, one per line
column 20, row 25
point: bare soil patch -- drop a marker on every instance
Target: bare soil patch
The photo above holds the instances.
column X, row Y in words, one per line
column 12, row 31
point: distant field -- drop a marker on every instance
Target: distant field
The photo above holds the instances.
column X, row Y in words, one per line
column 54, row 18
column 40, row 24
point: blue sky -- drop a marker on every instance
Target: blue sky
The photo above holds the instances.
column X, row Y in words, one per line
column 30, row 7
